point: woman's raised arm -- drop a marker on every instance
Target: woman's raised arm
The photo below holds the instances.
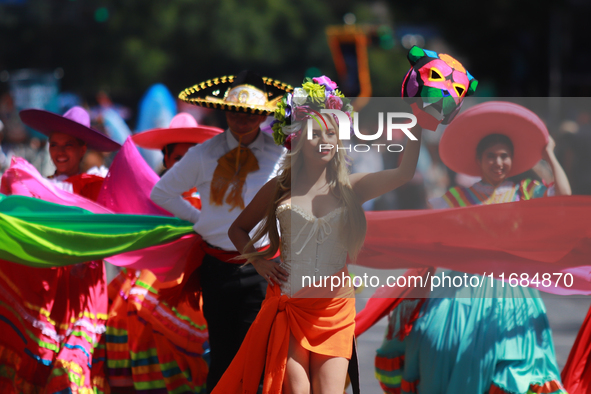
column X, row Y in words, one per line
column 561, row 184
column 373, row 184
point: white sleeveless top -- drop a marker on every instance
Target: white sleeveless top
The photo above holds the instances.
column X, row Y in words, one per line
column 310, row 246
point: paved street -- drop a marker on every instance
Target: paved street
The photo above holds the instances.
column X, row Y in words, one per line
column 564, row 313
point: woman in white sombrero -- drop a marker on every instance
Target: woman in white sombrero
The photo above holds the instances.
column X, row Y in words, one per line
column 494, row 339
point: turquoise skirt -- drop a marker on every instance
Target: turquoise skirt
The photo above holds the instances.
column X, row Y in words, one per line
column 492, row 339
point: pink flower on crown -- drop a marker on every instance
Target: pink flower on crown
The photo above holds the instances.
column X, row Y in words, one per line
column 300, row 113
column 326, row 82
column 334, row 102
column 291, row 139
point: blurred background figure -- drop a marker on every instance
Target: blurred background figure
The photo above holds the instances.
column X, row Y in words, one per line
column 4, row 162
column 576, row 137
column 156, row 109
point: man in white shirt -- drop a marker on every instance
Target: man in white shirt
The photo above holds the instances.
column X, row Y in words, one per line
column 228, row 170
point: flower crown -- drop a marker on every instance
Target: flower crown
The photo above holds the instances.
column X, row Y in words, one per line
column 306, row 103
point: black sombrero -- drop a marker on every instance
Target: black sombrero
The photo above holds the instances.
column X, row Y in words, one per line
column 246, row 92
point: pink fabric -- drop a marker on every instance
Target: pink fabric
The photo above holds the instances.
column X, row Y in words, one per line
column 126, row 189
column 166, row 261
column 24, row 180
column 128, row 184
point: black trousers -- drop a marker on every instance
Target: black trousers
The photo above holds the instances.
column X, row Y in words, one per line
column 232, row 297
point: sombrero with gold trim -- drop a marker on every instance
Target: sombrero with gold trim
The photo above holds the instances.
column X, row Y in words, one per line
column 246, row 92
column 183, row 128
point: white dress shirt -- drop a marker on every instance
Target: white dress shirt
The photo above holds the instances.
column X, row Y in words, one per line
column 196, row 169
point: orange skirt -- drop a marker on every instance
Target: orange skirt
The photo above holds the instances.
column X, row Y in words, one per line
column 321, row 325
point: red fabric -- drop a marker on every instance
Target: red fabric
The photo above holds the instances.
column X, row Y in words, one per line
column 517, row 237
column 189, row 288
column 410, row 320
column 409, row 387
column 385, row 299
column 86, row 185
column 576, row 375
column 389, row 364
column 547, row 235
column 546, row 388
column 223, row 255
column 496, row 390
column 194, row 201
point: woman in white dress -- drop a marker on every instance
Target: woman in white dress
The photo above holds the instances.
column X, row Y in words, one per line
column 303, row 335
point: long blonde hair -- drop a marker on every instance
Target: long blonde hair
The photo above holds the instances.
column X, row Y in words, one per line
column 340, row 186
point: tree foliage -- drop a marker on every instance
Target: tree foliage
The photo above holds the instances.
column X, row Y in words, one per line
column 177, row 42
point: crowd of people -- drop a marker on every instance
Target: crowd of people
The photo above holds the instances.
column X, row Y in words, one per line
column 270, row 208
